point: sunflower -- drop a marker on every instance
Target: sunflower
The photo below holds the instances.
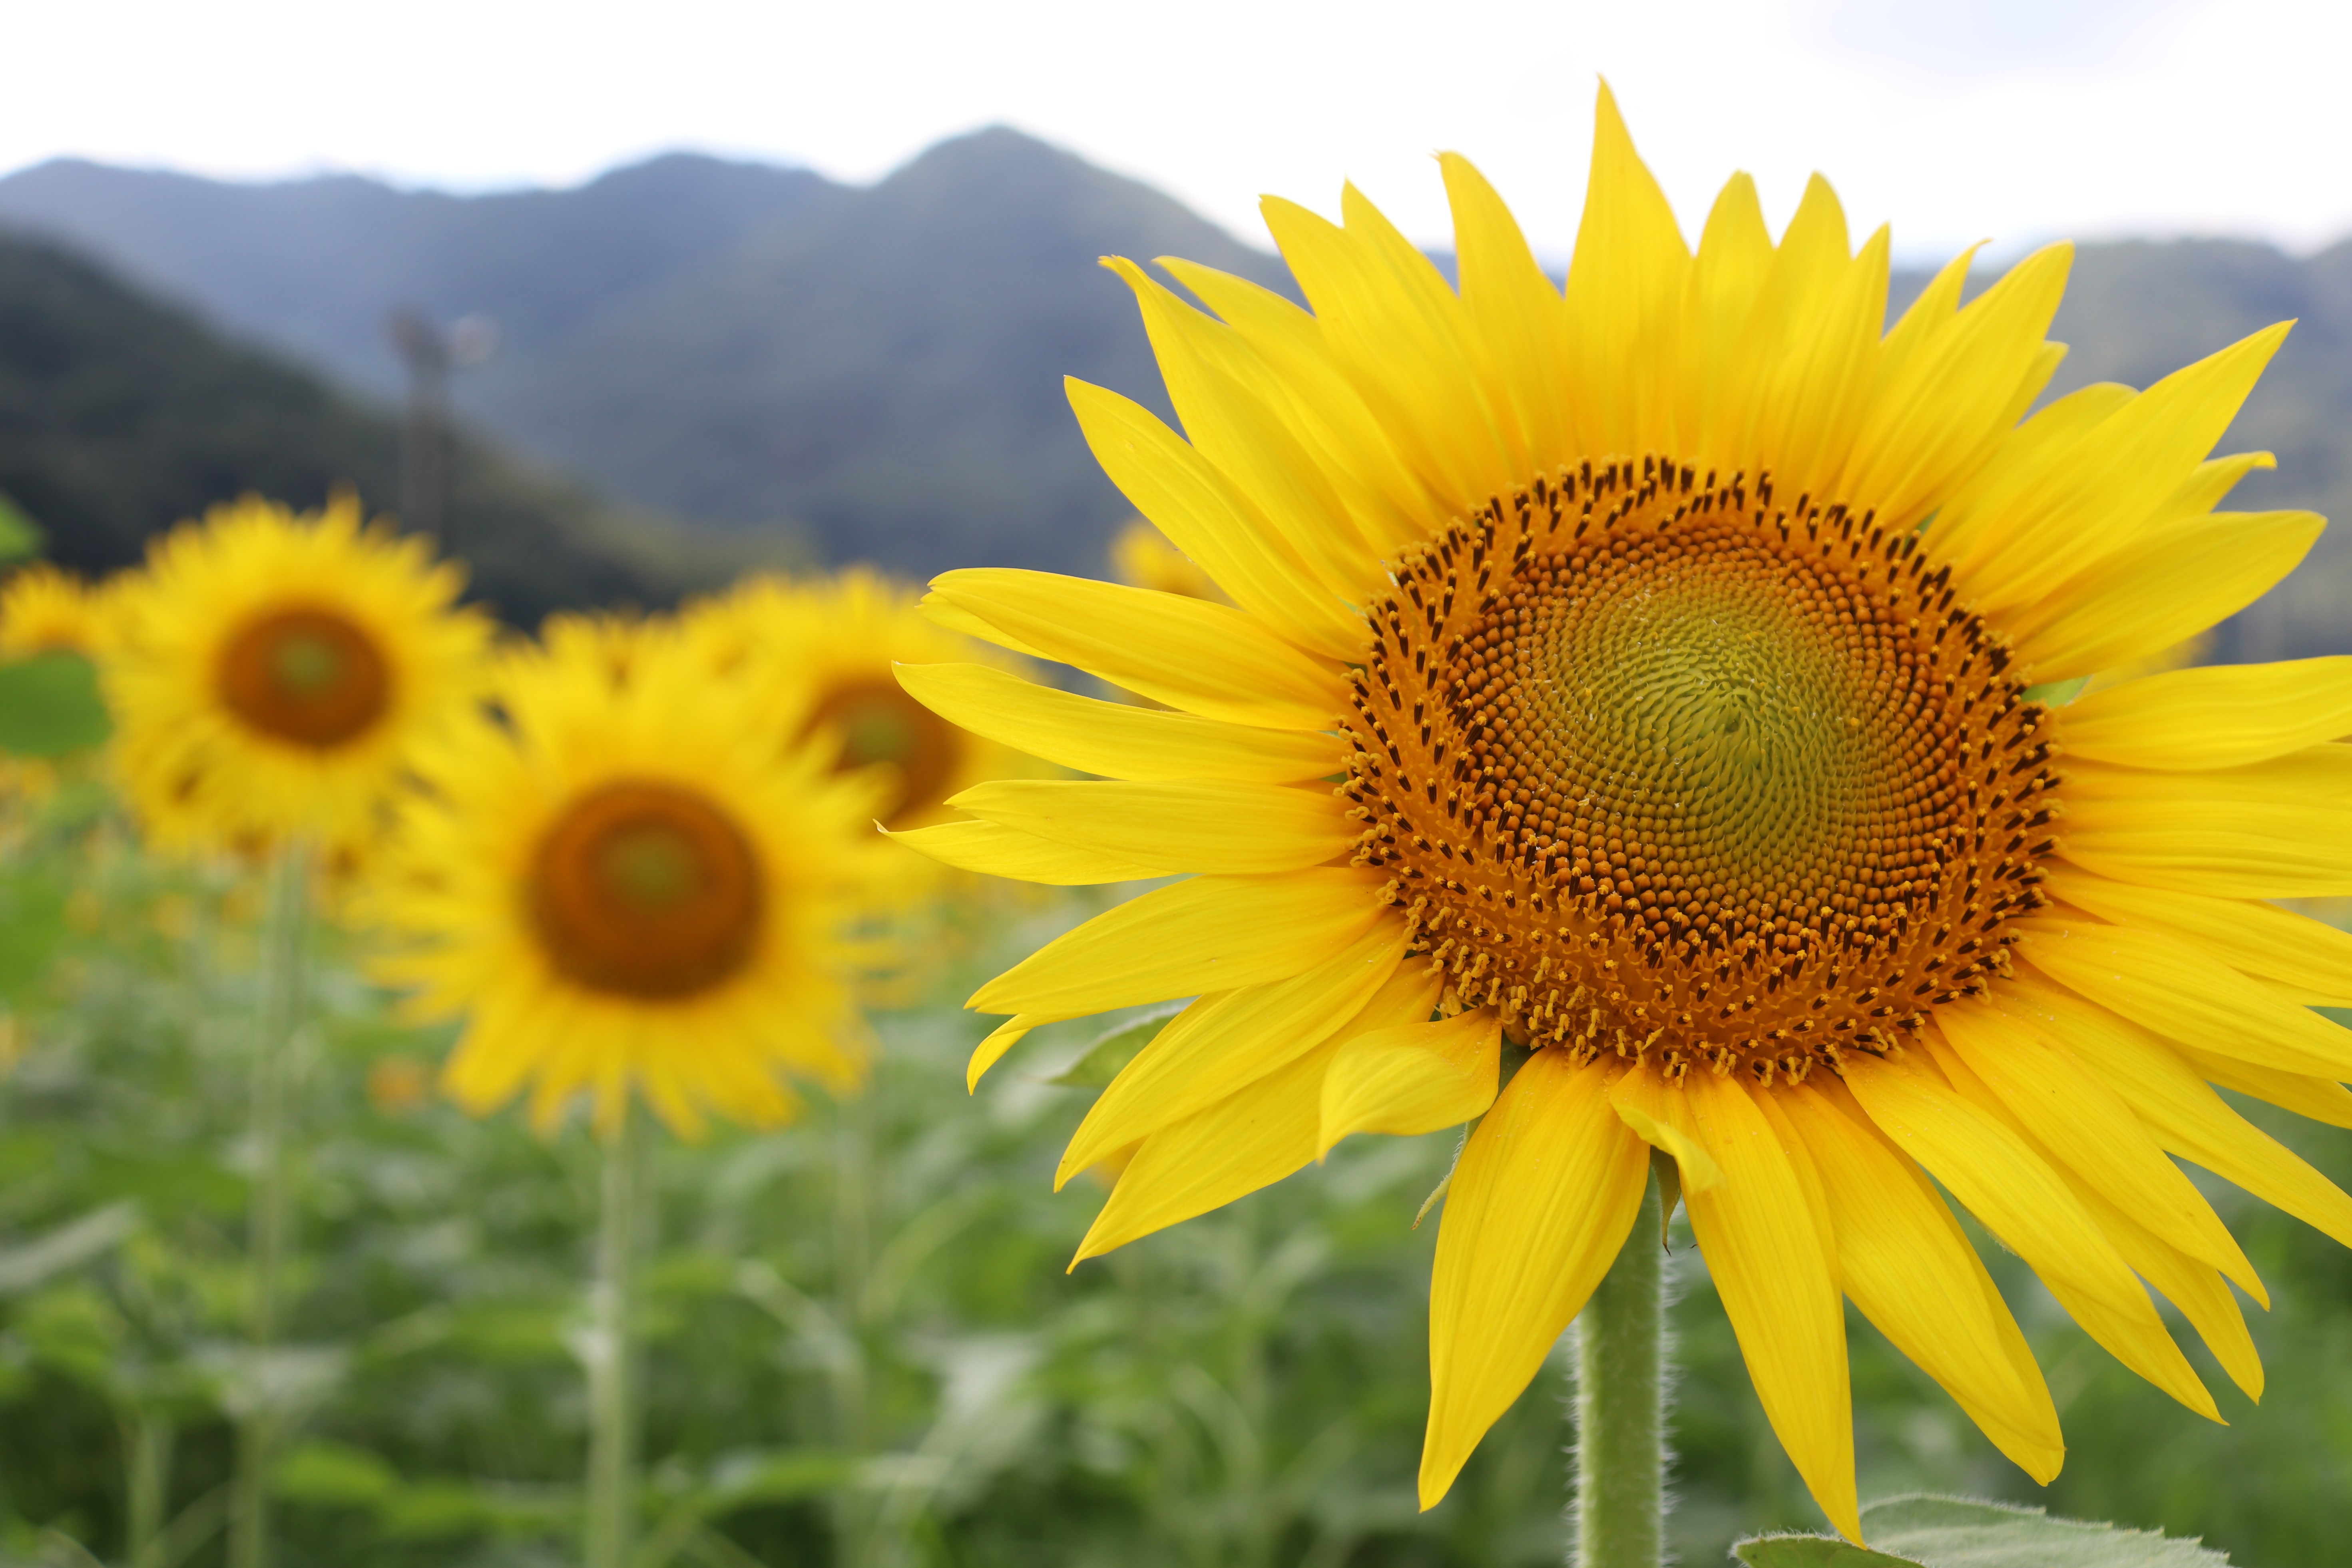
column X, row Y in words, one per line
column 1142, row 557
column 628, row 884
column 46, row 610
column 821, row 650
column 272, row 673
column 1689, row 652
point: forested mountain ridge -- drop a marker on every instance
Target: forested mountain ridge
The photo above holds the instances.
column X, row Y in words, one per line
column 120, row 416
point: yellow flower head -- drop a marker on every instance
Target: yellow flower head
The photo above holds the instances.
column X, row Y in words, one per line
column 628, row 884
column 1688, row 648
column 44, row 609
column 274, row 673
column 821, row 652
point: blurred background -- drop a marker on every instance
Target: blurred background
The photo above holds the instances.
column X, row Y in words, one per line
column 620, row 301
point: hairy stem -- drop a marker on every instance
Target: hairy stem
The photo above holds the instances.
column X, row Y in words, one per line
column 1620, row 1407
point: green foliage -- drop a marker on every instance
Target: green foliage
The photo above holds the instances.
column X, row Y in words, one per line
column 1961, row 1533
column 863, row 1346
column 19, row 536
column 49, row 705
column 1103, row 1060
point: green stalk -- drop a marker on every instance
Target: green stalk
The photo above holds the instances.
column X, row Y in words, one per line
column 149, row 1438
column 1621, row 1406
column 853, row 1245
column 610, row 1354
column 270, row 1214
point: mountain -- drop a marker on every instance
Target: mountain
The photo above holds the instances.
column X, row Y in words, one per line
column 119, row 415
column 755, row 348
column 733, row 344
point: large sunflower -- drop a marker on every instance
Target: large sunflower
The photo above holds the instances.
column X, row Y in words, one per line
column 272, row 673
column 628, row 884
column 1685, row 647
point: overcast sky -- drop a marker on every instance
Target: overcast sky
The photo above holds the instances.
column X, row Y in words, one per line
column 2026, row 120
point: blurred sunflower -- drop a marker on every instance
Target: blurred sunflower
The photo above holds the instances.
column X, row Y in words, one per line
column 1676, row 644
column 1142, row 557
column 630, row 886
column 820, row 652
column 273, row 673
column 44, row 609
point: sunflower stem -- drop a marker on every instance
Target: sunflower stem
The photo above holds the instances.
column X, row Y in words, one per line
column 270, row 1214
column 611, row 1353
column 1621, row 1406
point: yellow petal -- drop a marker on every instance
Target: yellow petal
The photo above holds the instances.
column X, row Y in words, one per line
column 1539, row 1208
column 1734, row 253
column 941, row 613
column 1389, row 504
column 1224, row 1042
column 1185, row 824
column 2247, row 934
column 2157, row 592
column 2216, row 716
column 2091, row 1130
column 2187, row 1283
column 2116, row 477
column 2093, row 1283
column 1521, row 323
column 1212, row 517
column 2277, row 829
column 1205, row 658
column 1822, row 391
column 1238, row 416
column 2321, row 1100
column 2177, row 989
column 1206, row 934
column 1906, row 1263
column 1116, row 739
column 997, row 851
column 2166, row 1087
column 1624, row 297
column 1949, row 385
column 1772, row 1259
column 990, row 1051
column 1640, row 1100
column 1968, row 526
column 1411, row 1078
column 1251, row 1140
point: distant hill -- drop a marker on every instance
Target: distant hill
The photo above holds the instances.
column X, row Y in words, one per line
column 754, row 347
column 732, row 343
column 119, row 415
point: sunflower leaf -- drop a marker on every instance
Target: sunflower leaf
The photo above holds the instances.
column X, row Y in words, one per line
column 1959, row 1532
column 1113, row 1049
column 1812, row 1552
column 49, row 705
column 1938, row 1531
column 2057, row 693
column 19, row 536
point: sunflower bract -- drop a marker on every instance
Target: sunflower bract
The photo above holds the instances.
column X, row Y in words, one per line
column 1668, row 647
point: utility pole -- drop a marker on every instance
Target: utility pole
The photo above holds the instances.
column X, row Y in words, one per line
column 429, row 353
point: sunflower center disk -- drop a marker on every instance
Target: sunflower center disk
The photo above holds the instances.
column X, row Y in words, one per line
column 1663, row 769
column 308, row 676
column 879, row 723
column 646, row 889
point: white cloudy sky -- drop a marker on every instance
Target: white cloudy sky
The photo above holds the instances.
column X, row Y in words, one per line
column 2013, row 120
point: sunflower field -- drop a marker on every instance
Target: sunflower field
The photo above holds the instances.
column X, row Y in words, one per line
column 1055, row 1071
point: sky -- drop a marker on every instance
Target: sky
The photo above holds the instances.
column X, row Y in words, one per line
column 2012, row 121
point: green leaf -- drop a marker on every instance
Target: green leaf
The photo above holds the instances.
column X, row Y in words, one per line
column 19, row 536
column 334, row 1475
column 1102, row 1061
column 2057, row 693
column 1947, row 1533
column 1960, row 1532
column 67, row 1247
column 1812, row 1552
column 49, row 705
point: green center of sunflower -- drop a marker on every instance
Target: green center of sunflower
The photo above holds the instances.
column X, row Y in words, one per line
column 310, row 677
column 1667, row 770
column 879, row 725
column 646, row 889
